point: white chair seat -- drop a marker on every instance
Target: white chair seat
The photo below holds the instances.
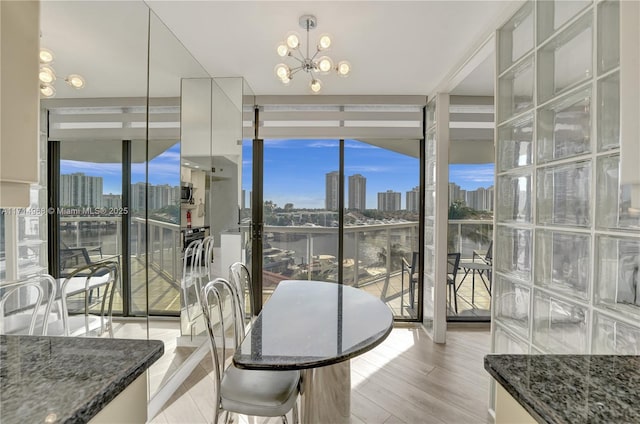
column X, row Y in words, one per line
column 263, row 393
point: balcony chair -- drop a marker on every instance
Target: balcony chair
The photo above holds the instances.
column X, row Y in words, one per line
column 242, row 391
column 482, row 267
column 453, row 263
column 25, row 305
column 412, row 271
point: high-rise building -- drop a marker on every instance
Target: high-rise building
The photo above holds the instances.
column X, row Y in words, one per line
column 158, row 196
column 480, row 199
column 112, row 200
column 332, row 191
column 413, row 200
column 138, row 196
column 80, row 190
column 357, row 192
column 455, row 193
column 389, row 201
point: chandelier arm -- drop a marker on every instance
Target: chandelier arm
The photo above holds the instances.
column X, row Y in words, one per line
column 316, row 54
column 302, row 58
column 295, row 71
column 299, row 60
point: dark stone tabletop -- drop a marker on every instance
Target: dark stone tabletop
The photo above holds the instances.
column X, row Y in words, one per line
column 67, row 379
column 308, row 324
column 571, row 388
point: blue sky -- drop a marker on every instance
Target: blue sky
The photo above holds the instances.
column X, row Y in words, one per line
column 295, row 170
column 163, row 169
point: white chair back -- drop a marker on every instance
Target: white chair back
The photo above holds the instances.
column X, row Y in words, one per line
column 25, row 305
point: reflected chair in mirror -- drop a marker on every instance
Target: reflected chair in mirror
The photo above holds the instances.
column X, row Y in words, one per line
column 239, row 275
column 192, row 277
column 76, row 256
column 206, row 259
column 87, row 297
column 453, row 263
column 242, row 391
column 25, row 305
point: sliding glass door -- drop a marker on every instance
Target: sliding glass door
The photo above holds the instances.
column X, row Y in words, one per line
column 343, row 211
column 89, row 205
column 382, row 213
column 300, row 211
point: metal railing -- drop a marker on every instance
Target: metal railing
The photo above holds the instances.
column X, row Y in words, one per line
column 467, row 235
column 304, row 243
column 164, row 246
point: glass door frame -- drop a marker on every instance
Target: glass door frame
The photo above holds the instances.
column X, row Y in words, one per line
column 53, row 227
column 257, row 224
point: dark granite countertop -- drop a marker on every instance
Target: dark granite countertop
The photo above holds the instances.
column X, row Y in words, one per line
column 307, row 324
column 571, row 388
column 67, row 379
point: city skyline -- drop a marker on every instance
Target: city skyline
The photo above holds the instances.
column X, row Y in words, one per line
column 295, row 171
column 296, row 162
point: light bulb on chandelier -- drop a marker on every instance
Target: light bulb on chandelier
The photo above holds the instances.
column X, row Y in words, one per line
column 47, row 75
column 308, row 63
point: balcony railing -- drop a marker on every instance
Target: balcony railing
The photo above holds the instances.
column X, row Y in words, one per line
column 372, row 259
column 162, row 269
column 474, row 300
column 467, row 235
column 373, row 254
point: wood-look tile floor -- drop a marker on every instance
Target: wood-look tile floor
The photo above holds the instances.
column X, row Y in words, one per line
column 406, row 379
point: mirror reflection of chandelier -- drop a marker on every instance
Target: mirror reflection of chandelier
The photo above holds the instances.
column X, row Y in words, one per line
column 312, row 65
column 47, row 75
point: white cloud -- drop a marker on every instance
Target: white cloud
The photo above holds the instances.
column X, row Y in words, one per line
column 89, row 168
column 352, row 145
column 367, row 169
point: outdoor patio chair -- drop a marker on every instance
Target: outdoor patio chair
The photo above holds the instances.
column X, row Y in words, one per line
column 453, row 264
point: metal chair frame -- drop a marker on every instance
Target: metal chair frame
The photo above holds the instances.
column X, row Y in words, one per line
column 213, row 296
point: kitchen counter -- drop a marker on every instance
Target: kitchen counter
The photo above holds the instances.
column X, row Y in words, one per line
column 68, row 379
column 571, row 388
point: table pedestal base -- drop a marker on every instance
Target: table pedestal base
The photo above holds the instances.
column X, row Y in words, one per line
column 326, row 394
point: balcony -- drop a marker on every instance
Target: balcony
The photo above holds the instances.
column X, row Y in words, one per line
column 293, row 252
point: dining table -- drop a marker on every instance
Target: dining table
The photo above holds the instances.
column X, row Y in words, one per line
column 316, row 327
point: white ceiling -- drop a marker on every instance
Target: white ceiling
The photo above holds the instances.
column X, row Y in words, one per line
column 395, row 47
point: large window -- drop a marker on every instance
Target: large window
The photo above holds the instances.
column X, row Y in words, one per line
column 471, row 200
column 373, row 243
column 90, row 206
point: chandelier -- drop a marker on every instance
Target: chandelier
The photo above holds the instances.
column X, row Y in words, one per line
column 47, row 75
column 312, row 65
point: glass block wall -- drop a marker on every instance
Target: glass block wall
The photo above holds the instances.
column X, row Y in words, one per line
column 567, row 243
